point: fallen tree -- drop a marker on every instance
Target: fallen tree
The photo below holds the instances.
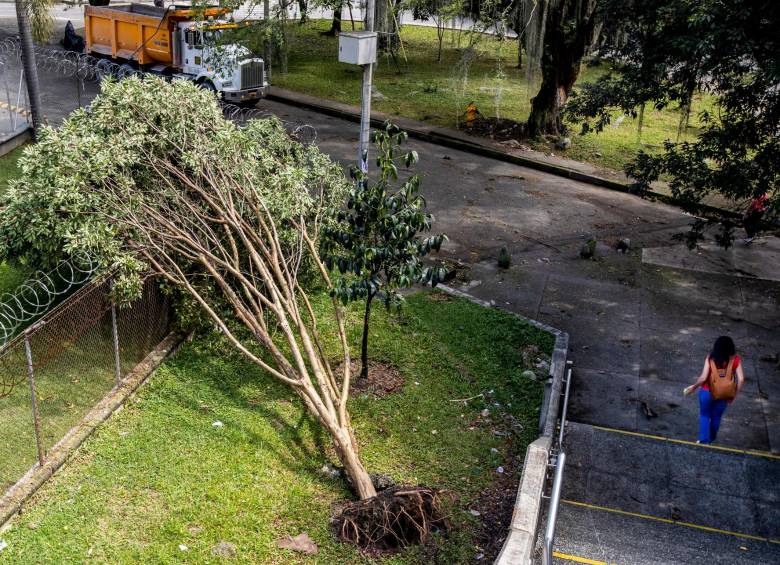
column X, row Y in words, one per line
column 153, row 178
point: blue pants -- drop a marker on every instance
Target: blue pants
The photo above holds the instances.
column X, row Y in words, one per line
column 710, row 413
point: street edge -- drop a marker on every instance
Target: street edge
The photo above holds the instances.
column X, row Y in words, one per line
column 519, row 545
column 13, row 500
column 454, row 140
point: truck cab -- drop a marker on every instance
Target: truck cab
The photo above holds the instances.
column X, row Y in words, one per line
column 227, row 68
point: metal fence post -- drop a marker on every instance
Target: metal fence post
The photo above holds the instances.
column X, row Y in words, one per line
column 33, row 396
column 115, row 331
column 78, row 81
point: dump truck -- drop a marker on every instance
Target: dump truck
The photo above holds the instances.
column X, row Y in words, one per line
column 179, row 42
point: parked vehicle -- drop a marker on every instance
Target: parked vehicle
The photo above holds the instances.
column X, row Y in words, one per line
column 179, row 42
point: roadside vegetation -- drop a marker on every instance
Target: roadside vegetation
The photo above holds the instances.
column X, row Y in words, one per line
column 162, row 475
column 421, row 88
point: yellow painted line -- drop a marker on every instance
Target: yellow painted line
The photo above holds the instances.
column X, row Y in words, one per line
column 578, row 559
column 754, row 452
column 670, row 521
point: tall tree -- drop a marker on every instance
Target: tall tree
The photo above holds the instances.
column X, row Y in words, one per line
column 386, row 24
column 564, row 30
column 667, row 48
column 34, row 22
column 228, row 215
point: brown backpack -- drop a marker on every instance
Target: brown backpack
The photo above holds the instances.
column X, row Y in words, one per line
column 723, row 382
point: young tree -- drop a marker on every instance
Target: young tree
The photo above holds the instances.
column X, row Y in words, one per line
column 375, row 243
column 438, row 11
column 668, row 48
column 229, row 215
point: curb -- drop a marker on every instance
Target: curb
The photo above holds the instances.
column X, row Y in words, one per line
column 519, row 545
column 12, row 501
column 11, row 141
column 446, row 137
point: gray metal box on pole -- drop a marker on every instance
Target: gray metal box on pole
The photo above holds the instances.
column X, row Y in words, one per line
column 357, row 47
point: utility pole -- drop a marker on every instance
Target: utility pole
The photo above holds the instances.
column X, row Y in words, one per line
column 365, row 106
column 28, row 64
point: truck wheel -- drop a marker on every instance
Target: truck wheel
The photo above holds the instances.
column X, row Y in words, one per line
column 208, row 85
column 104, row 69
column 126, row 71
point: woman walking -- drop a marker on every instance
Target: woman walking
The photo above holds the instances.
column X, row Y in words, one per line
column 721, row 380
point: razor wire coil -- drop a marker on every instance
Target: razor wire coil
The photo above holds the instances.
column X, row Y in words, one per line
column 38, row 293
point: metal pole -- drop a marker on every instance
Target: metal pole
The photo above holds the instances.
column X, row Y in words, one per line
column 365, row 106
column 552, row 517
column 18, row 97
column 78, row 81
column 565, row 409
column 34, row 397
column 8, row 97
column 115, row 331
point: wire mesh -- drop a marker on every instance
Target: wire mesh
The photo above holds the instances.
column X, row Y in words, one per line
column 74, row 367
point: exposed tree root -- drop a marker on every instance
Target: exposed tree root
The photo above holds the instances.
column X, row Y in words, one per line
column 395, row 518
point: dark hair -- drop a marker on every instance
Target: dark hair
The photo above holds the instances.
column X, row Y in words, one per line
column 723, row 350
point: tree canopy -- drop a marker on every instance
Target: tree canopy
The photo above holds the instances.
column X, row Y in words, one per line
column 57, row 207
column 662, row 52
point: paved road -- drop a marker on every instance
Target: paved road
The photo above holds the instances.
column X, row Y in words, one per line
column 640, row 324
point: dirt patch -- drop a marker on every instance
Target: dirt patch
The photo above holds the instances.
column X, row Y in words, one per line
column 495, row 505
column 500, row 129
column 383, row 379
column 457, row 270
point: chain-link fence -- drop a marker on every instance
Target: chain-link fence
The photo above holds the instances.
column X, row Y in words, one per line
column 56, row 370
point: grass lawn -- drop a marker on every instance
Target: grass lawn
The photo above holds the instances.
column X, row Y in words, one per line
column 9, row 168
column 158, row 475
column 422, row 89
column 67, row 388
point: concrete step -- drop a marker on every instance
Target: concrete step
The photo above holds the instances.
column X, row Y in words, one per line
column 597, row 537
column 715, row 488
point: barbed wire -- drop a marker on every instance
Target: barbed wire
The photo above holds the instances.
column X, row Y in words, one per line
column 38, row 293
column 85, row 67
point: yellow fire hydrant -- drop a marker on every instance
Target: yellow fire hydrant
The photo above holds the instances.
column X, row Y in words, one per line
column 471, row 114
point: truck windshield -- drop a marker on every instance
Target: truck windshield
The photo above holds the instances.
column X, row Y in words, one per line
column 212, row 37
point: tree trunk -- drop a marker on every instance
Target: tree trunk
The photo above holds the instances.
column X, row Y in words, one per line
column 440, row 36
column 303, row 6
column 347, row 450
column 565, row 45
column 29, row 65
column 335, row 26
column 519, row 52
column 384, row 25
column 364, row 345
column 267, row 51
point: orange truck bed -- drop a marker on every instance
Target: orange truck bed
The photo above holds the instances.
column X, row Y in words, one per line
column 135, row 32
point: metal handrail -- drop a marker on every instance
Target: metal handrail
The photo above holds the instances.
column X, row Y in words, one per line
column 555, row 495
column 552, row 517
